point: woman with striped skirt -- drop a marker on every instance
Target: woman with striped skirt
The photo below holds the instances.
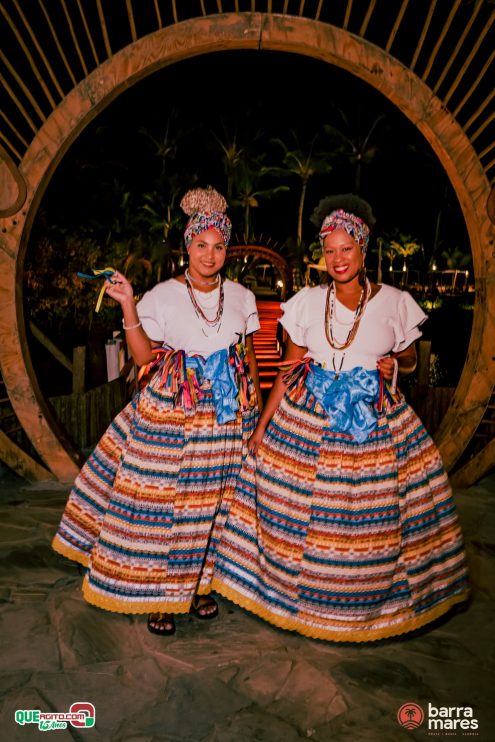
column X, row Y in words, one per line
column 343, row 525
column 146, row 511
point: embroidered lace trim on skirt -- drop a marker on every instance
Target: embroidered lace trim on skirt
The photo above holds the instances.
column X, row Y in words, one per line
column 339, row 538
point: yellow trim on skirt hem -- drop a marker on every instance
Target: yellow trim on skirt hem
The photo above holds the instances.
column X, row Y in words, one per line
column 114, row 604
column 351, row 635
column 117, row 605
column 61, row 547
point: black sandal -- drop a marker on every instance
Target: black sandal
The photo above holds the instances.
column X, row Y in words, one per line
column 197, row 607
column 161, row 620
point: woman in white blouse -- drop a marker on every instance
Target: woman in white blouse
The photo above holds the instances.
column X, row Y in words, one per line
column 147, row 509
column 343, row 525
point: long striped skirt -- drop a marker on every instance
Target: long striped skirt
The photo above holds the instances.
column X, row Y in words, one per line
column 147, row 510
column 342, row 540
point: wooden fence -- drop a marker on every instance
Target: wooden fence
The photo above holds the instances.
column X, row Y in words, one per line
column 430, row 404
column 86, row 415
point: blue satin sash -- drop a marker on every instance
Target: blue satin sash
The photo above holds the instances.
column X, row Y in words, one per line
column 221, row 374
column 226, row 370
column 348, row 398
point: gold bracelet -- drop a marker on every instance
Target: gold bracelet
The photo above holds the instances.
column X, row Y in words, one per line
column 131, row 327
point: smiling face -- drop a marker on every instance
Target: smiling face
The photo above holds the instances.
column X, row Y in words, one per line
column 343, row 256
column 207, row 253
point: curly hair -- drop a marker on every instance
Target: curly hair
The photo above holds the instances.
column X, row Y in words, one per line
column 348, row 202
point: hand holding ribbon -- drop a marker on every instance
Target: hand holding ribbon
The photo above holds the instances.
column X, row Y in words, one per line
column 105, row 273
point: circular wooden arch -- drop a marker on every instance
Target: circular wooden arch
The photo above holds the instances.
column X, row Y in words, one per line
column 259, row 251
column 235, row 31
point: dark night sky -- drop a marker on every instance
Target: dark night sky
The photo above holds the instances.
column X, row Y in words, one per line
column 258, row 96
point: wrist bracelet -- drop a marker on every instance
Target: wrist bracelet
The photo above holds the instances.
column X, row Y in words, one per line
column 131, row 327
column 393, row 384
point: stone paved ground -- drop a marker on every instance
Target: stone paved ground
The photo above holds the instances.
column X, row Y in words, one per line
column 235, row 679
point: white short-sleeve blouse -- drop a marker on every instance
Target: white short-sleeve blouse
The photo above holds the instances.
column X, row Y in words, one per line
column 390, row 323
column 168, row 316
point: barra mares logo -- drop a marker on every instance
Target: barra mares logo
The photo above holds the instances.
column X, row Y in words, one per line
column 410, row 715
column 81, row 715
column 439, row 719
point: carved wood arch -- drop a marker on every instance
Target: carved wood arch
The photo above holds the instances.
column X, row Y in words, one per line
column 277, row 260
column 296, row 35
column 12, row 186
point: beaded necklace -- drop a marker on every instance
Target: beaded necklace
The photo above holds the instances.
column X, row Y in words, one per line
column 330, row 314
column 217, row 320
column 198, row 280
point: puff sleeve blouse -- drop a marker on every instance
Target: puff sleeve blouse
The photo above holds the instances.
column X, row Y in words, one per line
column 390, row 323
column 168, row 317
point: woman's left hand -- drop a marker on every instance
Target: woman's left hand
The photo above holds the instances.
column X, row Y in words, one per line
column 386, row 367
column 119, row 288
column 405, row 358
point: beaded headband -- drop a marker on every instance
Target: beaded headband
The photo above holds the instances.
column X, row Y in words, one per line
column 353, row 225
column 206, row 209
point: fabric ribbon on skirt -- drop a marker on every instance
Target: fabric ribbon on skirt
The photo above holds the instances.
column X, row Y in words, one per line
column 349, row 397
column 184, row 375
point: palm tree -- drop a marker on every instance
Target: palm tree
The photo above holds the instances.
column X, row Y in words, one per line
column 161, row 219
column 405, row 248
column 389, row 251
column 379, row 273
column 248, row 195
column 125, row 226
column 304, row 163
column 235, row 156
column 455, row 258
column 357, row 146
column 166, row 144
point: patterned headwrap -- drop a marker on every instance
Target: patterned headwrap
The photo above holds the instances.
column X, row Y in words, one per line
column 353, row 225
column 206, row 209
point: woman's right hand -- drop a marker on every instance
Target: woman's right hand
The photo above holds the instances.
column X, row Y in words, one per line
column 119, row 288
column 254, row 441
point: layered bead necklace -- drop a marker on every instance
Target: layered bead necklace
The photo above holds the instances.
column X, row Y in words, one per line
column 330, row 317
column 198, row 280
column 200, row 314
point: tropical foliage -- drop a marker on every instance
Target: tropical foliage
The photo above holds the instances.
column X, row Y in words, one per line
column 114, row 200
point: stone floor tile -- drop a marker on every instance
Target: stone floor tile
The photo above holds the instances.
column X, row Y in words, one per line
column 233, row 679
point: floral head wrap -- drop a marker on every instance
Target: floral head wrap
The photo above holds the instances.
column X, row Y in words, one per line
column 353, row 225
column 206, row 209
